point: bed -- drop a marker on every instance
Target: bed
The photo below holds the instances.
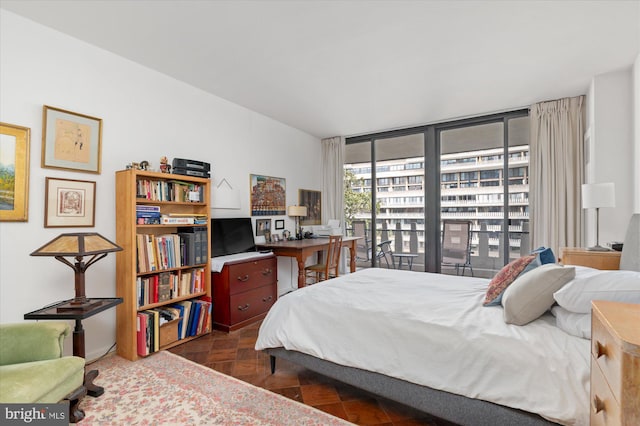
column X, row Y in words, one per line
column 427, row 341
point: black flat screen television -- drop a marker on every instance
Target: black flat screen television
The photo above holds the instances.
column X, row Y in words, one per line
column 231, row 236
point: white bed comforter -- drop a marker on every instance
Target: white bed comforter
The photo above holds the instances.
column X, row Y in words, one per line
column 432, row 330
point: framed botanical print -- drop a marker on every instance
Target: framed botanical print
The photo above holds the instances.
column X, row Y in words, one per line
column 14, row 172
column 71, row 141
column 69, row 203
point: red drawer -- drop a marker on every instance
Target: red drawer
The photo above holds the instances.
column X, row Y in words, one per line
column 252, row 303
column 251, row 275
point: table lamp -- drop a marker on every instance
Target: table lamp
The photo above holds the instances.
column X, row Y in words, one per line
column 597, row 195
column 297, row 212
column 78, row 245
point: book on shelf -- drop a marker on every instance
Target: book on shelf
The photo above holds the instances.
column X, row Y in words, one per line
column 171, row 220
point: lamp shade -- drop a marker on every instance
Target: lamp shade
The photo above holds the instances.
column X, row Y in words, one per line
column 596, row 195
column 77, row 244
column 297, row 211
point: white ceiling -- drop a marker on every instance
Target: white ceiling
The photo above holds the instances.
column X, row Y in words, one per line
column 352, row 67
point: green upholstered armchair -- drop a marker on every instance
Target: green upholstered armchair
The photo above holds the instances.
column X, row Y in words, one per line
column 34, row 370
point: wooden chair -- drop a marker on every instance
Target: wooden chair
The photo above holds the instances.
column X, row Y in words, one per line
column 329, row 268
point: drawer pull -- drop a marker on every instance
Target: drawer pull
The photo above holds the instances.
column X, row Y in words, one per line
column 267, row 271
column 267, row 299
column 597, row 404
column 243, row 308
column 244, row 279
column 601, row 350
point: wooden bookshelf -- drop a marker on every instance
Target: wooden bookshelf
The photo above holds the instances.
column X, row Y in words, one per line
column 127, row 271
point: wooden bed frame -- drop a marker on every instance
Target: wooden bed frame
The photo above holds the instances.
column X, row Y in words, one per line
column 444, row 405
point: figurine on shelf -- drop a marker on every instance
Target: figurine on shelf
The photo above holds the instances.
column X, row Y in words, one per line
column 165, row 167
column 144, row 165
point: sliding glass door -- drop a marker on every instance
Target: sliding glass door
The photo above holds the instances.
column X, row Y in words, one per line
column 405, row 184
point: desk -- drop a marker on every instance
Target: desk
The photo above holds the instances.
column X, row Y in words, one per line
column 51, row 313
column 302, row 249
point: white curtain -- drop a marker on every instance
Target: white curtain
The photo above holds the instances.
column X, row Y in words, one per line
column 333, row 183
column 556, row 173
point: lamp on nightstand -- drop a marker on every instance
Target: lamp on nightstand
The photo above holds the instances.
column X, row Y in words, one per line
column 297, row 212
column 597, row 195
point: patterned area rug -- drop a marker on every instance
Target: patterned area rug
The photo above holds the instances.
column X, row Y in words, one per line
column 166, row 389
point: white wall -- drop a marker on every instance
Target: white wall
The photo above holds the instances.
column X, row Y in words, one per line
column 636, row 145
column 145, row 115
column 611, row 143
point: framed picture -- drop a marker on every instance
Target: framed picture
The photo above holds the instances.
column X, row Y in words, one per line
column 262, row 226
column 313, row 201
column 268, row 195
column 279, row 223
column 14, row 172
column 69, row 203
column 71, row 141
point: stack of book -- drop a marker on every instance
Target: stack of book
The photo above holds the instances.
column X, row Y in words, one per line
column 193, row 316
column 147, row 215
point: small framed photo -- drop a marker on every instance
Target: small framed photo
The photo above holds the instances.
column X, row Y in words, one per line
column 262, row 226
column 69, row 203
column 275, row 238
column 71, row 141
column 279, row 223
column 14, row 172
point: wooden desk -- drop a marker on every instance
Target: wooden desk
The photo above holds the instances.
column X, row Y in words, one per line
column 302, row 249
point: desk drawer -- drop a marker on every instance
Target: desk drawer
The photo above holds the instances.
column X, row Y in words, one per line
column 251, row 275
column 606, row 353
column 252, row 303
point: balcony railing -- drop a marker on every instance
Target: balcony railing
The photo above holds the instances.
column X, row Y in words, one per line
column 486, row 246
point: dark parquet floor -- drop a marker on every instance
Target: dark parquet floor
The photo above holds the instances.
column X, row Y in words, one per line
column 234, row 354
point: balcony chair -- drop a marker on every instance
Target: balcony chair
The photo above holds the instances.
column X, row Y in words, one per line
column 330, row 267
column 385, row 253
column 456, row 244
column 33, row 369
column 363, row 250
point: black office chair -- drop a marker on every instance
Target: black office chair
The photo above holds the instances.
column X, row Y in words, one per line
column 456, row 244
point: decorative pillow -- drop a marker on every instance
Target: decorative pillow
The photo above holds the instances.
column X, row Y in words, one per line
column 578, row 325
column 617, row 286
column 505, row 277
column 544, row 255
column 531, row 295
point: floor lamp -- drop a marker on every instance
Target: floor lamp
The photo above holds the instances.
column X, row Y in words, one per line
column 595, row 196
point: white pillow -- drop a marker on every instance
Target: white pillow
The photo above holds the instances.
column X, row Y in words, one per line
column 578, row 325
column 531, row 294
column 617, row 286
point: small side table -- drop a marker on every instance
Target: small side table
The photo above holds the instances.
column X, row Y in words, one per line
column 51, row 313
column 607, row 260
column 408, row 256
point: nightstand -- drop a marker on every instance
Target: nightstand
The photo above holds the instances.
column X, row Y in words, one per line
column 594, row 259
column 615, row 363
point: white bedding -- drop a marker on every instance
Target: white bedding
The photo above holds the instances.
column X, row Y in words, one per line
column 432, row 330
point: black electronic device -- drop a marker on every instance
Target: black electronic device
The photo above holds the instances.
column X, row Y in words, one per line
column 182, row 163
column 190, row 172
column 231, row 236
